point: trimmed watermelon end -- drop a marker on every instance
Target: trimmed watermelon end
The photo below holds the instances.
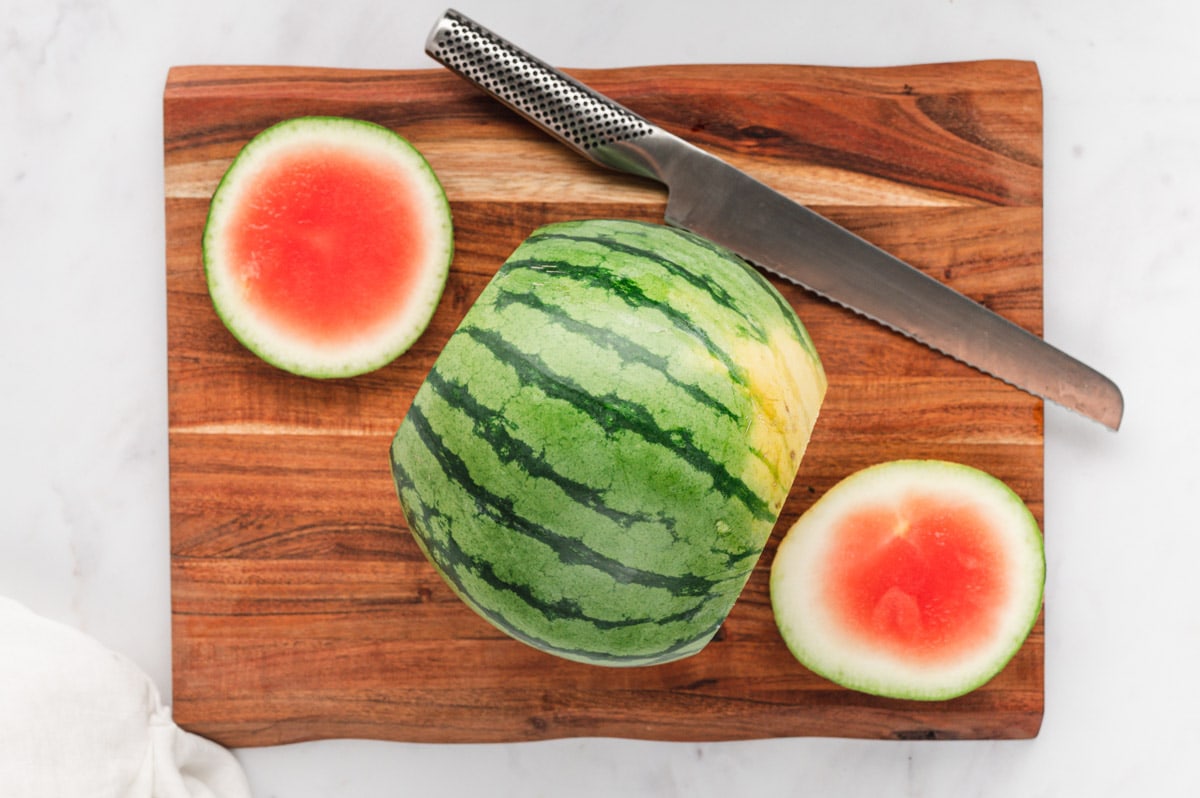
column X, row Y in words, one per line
column 327, row 246
column 914, row 579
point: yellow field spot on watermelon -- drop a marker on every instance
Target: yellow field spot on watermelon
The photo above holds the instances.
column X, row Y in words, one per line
column 786, row 402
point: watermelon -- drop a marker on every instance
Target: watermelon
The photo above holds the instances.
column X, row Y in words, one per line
column 598, row 456
column 915, row 579
column 327, row 246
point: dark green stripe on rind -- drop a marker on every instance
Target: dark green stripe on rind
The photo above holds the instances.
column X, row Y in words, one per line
column 608, row 347
column 715, row 256
column 501, row 508
column 450, row 562
column 703, row 282
column 627, row 349
column 613, row 413
column 648, row 486
column 492, row 429
column 632, row 294
column 440, row 544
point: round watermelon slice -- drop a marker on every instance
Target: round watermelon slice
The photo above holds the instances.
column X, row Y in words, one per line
column 327, row 246
column 916, row 579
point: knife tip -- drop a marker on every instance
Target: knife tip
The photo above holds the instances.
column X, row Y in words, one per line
column 1116, row 411
column 1104, row 403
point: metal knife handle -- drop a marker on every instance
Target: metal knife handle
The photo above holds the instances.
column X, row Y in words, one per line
column 580, row 117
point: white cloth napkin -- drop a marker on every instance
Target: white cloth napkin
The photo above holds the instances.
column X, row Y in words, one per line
column 79, row 720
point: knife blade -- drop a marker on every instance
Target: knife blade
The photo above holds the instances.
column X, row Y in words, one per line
column 725, row 205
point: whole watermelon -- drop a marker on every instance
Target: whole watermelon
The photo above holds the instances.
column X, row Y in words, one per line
column 602, row 449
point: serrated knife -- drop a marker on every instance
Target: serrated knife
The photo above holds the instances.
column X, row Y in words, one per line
column 720, row 202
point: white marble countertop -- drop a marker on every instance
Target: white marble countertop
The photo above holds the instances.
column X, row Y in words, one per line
column 83, row 477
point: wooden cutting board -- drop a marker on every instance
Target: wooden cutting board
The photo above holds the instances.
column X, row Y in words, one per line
column 301, row 606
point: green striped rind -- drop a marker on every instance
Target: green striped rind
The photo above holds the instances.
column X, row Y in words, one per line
column 597, row 458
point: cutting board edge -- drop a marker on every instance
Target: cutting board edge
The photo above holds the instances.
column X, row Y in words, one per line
column 388, row 73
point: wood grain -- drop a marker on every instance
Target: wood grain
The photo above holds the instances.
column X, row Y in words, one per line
column 301, row 606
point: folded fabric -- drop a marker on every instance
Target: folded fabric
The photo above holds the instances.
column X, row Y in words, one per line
column 77, row 719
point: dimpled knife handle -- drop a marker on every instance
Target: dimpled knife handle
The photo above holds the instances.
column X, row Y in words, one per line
column 580, row 117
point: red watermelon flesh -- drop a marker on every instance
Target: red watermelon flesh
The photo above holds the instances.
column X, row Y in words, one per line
column 913, row 579
column 326, row 242
column 922, row 579
column 327, row 246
